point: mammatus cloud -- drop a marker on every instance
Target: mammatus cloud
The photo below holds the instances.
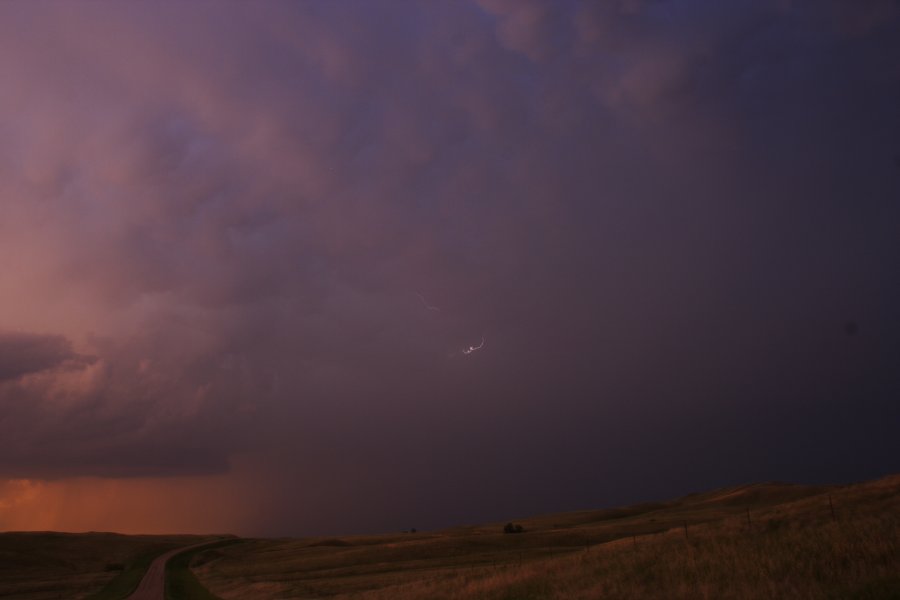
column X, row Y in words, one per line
column 227, row 229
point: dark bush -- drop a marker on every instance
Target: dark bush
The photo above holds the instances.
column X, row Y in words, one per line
column 513, row 528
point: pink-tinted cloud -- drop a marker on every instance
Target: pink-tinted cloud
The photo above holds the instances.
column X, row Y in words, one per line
column 23, row 353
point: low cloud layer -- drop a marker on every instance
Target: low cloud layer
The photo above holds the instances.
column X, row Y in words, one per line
column 263, row 234
column 23, row 353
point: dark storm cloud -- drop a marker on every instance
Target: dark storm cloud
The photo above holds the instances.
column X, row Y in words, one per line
column 120, row 413
column 24, row 353
column 660, row 216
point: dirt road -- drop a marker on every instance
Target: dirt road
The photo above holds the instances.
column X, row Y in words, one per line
column 153, row 585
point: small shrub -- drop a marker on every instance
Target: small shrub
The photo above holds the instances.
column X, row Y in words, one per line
column 513, row 528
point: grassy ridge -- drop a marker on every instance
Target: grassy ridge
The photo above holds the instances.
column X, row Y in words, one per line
column 758, row 541
column 181, row 584
column 852, row 559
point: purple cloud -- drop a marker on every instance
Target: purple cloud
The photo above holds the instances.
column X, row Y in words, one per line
column 24, row 353
column 660, row 216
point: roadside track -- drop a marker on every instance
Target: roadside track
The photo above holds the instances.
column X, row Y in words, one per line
column 153, row 585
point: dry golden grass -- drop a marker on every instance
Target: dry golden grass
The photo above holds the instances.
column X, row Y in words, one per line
column 792, row 548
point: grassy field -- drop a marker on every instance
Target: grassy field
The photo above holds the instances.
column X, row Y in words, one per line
column 181, row 584
column 757, row 541
column 754, row 541
column 94, row 566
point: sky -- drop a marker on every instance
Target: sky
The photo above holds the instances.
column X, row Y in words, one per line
column 319, row 267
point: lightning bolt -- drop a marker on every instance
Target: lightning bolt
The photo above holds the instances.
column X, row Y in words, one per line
column 425, row 302
column 472, row 349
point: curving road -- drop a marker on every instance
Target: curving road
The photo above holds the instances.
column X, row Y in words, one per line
column 153, row 585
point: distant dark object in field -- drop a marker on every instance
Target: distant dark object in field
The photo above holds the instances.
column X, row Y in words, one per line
column 851, row 328
column 330, row 542
column 513, row 528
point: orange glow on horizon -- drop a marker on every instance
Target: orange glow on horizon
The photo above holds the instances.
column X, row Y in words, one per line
column 202, row 504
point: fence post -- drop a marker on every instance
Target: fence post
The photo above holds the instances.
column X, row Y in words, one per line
column 685, row 530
